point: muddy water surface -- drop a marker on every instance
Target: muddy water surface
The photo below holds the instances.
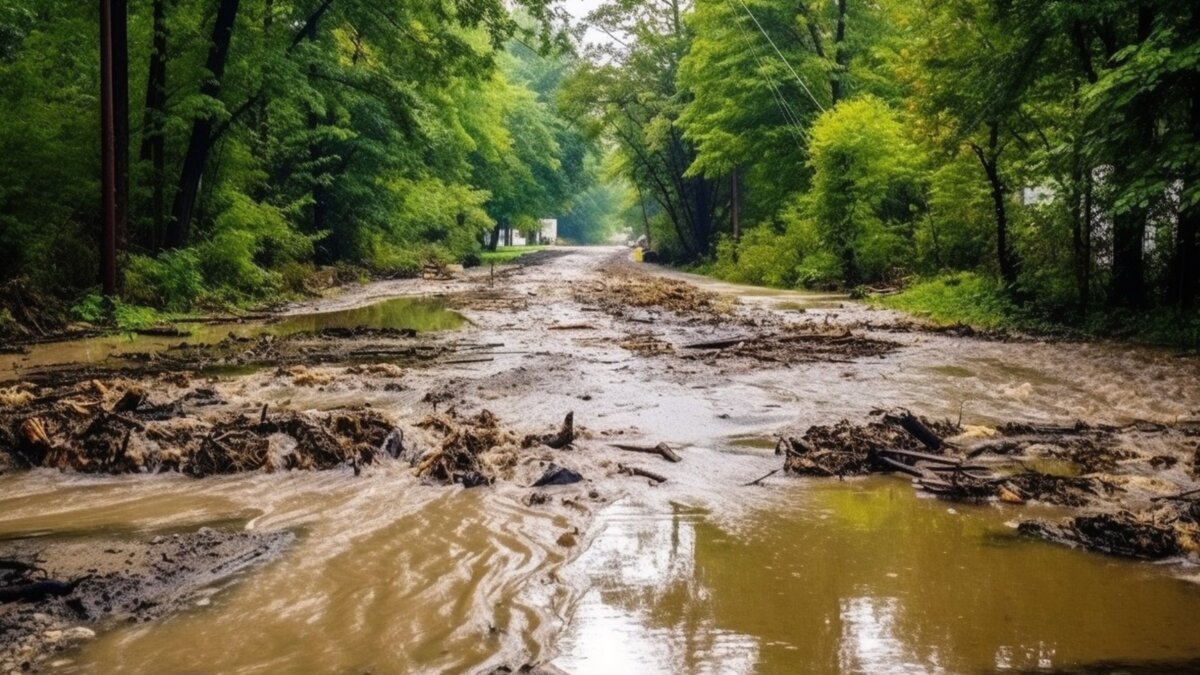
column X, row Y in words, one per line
column 388, row 576
column 864, row 577
column 419, row 314
column 697, row 575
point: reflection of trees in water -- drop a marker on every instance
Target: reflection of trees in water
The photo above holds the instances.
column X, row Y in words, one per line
column 652, row 610
column 867, row 577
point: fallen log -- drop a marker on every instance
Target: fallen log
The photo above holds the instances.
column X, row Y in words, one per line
column 900, row 466
column 1182, row 496
column 958, row 467
column 662, row 449
column 913, row 426
column 638, row 471
column 923, row 456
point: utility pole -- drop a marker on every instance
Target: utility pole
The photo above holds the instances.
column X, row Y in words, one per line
column 108, row 143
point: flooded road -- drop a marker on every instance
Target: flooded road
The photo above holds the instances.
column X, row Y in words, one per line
column 865, row 577
column 698, row 574
column 423, row 314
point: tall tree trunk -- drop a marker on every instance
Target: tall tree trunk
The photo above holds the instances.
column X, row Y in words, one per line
column 120, row 72
column 200, row 142
column 1129, row 227
column 494, row 240
column 262, row 122
column 153, row 140
column 990, row 160
column 1081, row 227
column 1084, row 263
column 108, row 142
column 1187, row 232
column 1128, row 286
column 840, row 56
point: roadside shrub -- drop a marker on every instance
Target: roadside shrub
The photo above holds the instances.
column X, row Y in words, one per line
column 172, row 281
column 868, row 188
column 963, row 297
column 821, row 269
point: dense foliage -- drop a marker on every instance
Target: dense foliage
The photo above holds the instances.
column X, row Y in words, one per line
column 1047, row 151
column 257, row 140
column 1043, row 154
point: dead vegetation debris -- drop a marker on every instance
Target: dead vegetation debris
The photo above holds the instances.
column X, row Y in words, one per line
column 474, row 450
column 1117, row 483
column 1166, row 531
column 92, row 428
column 793, row 344
column 290, row 355
column 620, row 292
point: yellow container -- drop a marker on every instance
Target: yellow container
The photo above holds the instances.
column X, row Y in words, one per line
column 637, row 254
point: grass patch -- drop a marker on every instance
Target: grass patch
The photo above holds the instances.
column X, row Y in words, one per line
column 964, row 297
column 981, row 302
column 507, row 254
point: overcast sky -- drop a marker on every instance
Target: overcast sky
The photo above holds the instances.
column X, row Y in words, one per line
column 579, row 9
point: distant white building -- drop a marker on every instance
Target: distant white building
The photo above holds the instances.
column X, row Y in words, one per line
column 549, row 232
column 546, row 234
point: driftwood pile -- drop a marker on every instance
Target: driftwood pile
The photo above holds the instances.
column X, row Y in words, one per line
column 1116, row 474
column 93, row 428
column 791, row 344
column 898, row 442
column 477, row 449
column 326, row 346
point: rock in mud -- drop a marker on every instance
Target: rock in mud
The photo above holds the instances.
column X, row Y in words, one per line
column 557, row 475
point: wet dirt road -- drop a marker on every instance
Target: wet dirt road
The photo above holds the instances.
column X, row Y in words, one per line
column 615, row 574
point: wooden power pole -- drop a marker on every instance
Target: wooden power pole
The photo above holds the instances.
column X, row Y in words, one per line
column 108, row 143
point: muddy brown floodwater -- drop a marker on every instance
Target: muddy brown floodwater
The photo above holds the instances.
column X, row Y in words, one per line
column 389, row 573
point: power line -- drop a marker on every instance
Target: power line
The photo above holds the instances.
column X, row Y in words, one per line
column 782, row 57
column 798, row 132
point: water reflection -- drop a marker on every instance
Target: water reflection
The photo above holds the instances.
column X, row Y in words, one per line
column 648, row 608
column 863, row 577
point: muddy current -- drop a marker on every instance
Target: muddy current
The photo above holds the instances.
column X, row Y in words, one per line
column 390, row 572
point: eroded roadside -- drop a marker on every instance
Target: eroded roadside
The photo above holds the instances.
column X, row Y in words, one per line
column 409, row 461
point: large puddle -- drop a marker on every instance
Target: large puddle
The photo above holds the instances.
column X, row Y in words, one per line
column 387, row 575
column 866, row 577
column 419, row 314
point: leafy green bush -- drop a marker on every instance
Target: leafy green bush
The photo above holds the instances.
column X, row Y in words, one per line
column 868, row 188
column 172, row 281
column 963, row 297
column 96, row 309
column 821, row 269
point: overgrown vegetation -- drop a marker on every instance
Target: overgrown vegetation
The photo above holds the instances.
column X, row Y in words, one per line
column 1033, row 162
column 260, row 144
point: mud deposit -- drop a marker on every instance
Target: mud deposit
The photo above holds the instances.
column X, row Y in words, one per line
column 446, row 514
column 96, row 580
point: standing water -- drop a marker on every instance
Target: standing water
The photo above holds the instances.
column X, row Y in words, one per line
column 700, row 574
